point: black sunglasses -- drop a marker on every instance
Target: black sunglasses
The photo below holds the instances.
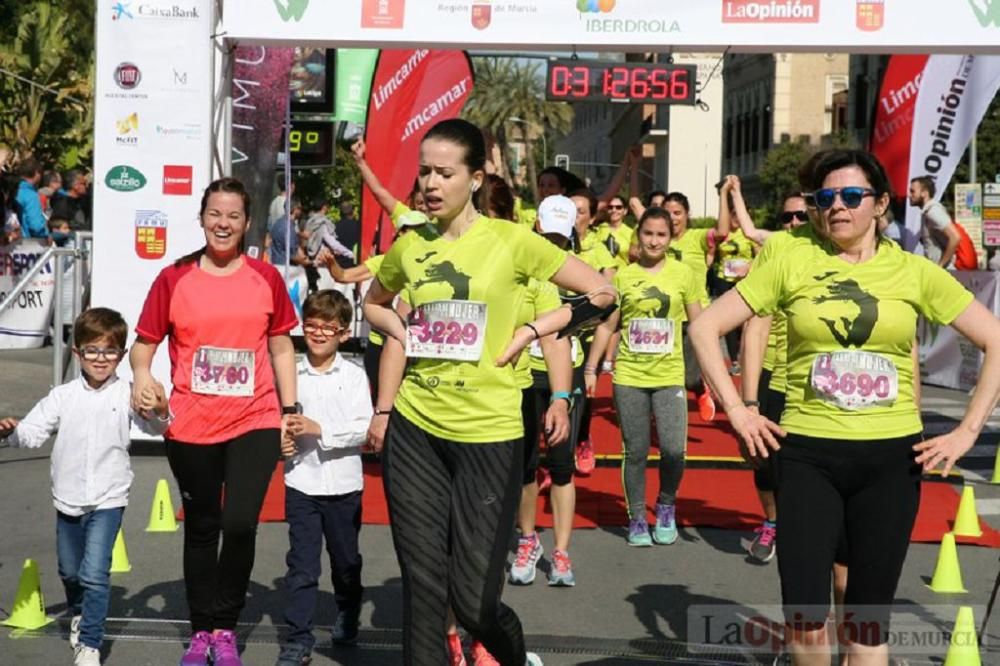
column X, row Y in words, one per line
column 787, row 216
column 850, row 196
column 615, row 207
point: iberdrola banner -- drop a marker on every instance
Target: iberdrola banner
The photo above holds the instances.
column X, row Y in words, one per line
column 411, row 91
column 355, row 68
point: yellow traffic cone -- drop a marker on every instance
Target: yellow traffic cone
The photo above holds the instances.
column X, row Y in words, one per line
column 29, row 605
column 967, row 520
column 963, row 650
column 119, row 556
column 947, row 574
column 996, row 469
column 161, row 516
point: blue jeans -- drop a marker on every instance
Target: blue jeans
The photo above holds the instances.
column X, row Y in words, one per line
column 310, row 519
column 84, row 544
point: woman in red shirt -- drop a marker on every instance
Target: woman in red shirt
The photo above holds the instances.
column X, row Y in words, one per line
column 227, row 317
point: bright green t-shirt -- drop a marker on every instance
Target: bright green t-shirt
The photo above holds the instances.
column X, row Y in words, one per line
column 549, row 299
column 491, row 263
column 620, row 239
column 776, row 354
column 653, row 300
column 525, row 216
column 539, row 298
column 692, row 250
column 594, row 253
column 855, row 323
column 373, row 263
column 732, row 254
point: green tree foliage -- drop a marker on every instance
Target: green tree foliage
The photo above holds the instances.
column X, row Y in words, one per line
column 987, row 149
column 505, row 89
column 779, row 174
column 52, row 45
column 340, row 184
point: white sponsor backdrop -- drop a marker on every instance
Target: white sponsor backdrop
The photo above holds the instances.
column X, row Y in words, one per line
column 955, row 92
column 152, row 146
column 25, row 324
column 946, row 358
column 875, row 26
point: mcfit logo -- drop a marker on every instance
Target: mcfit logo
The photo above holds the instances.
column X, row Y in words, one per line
column 594, row 6
column 291, row 9
column 987, row 12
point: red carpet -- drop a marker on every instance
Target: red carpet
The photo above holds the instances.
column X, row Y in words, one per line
column 707, row 497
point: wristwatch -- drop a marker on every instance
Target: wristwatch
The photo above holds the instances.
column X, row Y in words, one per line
column 380, row 412
column 291, row 409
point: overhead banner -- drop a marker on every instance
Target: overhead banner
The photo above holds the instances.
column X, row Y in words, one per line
column 947, row 358
column 892, row 131
column 355, row 68
column 260, row 94
column 411, row 91
column 955, row 92
column 152, row 146
column 25, row 324
column 871, row 26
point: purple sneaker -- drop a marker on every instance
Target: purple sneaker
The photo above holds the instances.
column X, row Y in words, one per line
column 638, row 532
column 197, row 652
column 224, row 650
column 665, row 530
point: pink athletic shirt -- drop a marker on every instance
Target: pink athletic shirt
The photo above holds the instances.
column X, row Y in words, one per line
column 220, row 365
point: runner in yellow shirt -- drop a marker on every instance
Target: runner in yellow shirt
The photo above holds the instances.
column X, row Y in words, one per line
column 615, row 234
column 852, row 456
column 655, row 296
column 453, row 445
column 764, row 355
column 691, row 246
column 588, row 248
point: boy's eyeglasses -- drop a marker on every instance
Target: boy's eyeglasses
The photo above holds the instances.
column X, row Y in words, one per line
column 787, row 216
column 326, row 329
column 850, row 196
column 94, row 353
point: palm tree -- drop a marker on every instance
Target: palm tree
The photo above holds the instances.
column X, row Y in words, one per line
column 53, row 49
column 507, row 89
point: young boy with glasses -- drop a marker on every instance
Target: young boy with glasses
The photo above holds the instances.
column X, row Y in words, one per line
column 91, row 474
column 323, row 477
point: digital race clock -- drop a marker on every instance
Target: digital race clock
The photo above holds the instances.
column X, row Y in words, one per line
column 598, row 81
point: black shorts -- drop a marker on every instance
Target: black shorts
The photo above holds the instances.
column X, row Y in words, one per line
column 772, row 404
column 868, row 491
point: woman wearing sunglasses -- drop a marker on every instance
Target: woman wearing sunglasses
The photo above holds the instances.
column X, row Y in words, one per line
column 850, row 448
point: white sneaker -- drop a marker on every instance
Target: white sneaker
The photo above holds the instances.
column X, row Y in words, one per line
column 532, row 659
column 86, row 656
column 74, row 631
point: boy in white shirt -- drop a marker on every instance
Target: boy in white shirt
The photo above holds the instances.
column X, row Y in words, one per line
column 323, row 477
column 91, row 474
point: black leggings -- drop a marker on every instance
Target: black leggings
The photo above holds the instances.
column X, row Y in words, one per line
column 452, row 507
column 869, row 490
column 560, row 459
column 216, row 581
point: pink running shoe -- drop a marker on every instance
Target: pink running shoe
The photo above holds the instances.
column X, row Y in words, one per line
column 585, row 461
column 198, row 649
column 456, row 656
column 480, row 656
column 224, row 650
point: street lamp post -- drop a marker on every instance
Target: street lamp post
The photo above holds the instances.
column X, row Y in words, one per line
column 545, row 147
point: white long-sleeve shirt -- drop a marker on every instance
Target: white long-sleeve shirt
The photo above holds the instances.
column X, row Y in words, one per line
column 340, row 402
column 90, row 460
